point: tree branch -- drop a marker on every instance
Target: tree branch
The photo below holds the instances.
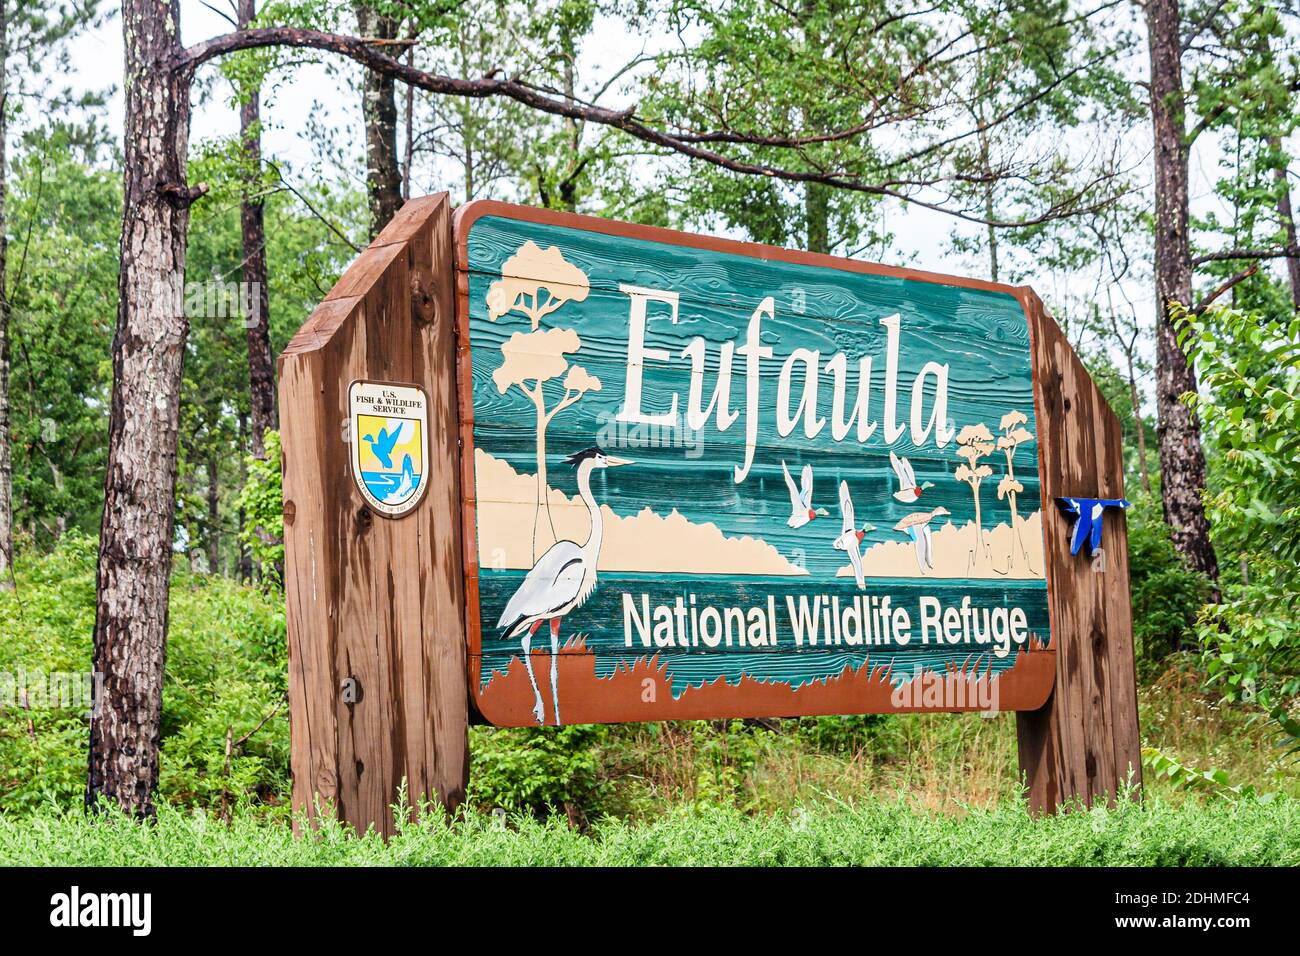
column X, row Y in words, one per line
column 310, row 208
column 1229, row 254
column 626, row 120
column 1224, row 286
column 1215, row 112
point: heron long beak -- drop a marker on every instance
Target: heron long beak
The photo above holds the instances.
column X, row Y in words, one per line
column 612, row 462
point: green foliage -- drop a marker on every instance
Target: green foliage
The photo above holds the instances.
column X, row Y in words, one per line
column 225, row 681
column 1167, row 595
column 847, row 734
column 870, row 833
column 225, row 734
column 1250, row 410
column 726, row 755
column 1247, row 90
column 63, row 210
column 1213, row 781
column 537, row 769
column 855, row 90
column 305, row 253
column 39, row 55
column 262, row 502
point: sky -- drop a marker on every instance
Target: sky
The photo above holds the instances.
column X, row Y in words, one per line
column 315, row 93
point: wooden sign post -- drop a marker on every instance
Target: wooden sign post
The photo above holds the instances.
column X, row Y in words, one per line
column 683, row 477
column 375, row 604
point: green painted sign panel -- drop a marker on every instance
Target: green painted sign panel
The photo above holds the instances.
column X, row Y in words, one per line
column 713, row 479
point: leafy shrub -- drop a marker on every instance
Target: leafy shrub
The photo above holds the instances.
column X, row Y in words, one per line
column 262, row 501
column 844, row 735
column 1250, row 410
column 537, row 770
column 1214, row 780
column 725, row 754
column 225, row 680
column 1167, row 595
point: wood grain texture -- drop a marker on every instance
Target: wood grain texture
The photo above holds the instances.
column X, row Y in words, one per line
column 375, row 599
column 1084, row 743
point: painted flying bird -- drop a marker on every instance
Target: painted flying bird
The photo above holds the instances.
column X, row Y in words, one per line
column 917, row 526
column 561, row 580
column 850, row 539
column 1088, row 514
column 908, row 491
column 383, row 445
column 801, row 509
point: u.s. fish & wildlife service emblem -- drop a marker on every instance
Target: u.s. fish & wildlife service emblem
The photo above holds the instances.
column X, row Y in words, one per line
column 390, row 445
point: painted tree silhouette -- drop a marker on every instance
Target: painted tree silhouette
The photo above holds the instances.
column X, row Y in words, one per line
column 531, row 360
column 1014, row 434
column 536, row 282
column 973, row 443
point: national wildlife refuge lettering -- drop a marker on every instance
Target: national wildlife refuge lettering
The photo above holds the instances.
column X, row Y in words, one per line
column 820, row 620
column 707, row 480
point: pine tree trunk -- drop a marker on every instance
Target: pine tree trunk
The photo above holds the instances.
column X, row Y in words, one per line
column 569, row 184
column 1135, row 399
column 408, row 156
column 261, row 364
column 244, row 569
column 379, row 108
column 989, row 204
column 6, row 456
column 135, row 547
column 1182, row 459
column 816, row 196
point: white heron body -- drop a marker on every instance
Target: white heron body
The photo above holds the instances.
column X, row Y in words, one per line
column 563, row 578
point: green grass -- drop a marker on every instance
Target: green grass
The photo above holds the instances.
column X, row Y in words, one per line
column 868, row 833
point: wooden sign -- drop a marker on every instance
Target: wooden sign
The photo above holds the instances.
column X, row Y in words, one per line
column 547, row 469
column 705, row 479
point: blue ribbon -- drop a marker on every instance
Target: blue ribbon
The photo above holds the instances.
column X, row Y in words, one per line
column 1087, row 514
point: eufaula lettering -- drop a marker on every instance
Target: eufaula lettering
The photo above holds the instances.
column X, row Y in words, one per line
column 803, row 376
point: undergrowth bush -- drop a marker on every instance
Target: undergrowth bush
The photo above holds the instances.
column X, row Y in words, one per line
column 1249, row 405
column 225, row 728
column 1167, row 595
column 225, row 734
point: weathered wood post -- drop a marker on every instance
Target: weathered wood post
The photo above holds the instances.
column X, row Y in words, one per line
column 375, row 602
column 1084, row 743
